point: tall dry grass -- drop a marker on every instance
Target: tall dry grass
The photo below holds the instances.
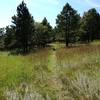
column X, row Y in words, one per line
column 62, row 74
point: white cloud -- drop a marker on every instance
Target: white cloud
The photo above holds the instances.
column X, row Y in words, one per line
column 54, row 2
column 26, row 1
column 93, row 3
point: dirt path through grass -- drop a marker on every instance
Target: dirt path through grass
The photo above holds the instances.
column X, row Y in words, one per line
column 53, row 56
column 52, row 63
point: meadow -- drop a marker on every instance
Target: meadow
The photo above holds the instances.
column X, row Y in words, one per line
column 52, row 73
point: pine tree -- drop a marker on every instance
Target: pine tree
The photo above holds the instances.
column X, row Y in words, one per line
column 67, row 21
column 47, row 30
column 24, row 26
column 10, row 38
column 90, row 24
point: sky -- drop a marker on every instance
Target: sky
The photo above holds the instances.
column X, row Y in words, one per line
column 43, row 8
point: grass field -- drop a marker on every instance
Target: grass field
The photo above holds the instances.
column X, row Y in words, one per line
column 55, row 73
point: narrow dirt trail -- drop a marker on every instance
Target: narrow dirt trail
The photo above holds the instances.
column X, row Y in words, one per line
column 52, row 61
column 53, row 65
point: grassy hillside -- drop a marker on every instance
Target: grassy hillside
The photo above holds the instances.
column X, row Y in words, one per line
column 55, row 73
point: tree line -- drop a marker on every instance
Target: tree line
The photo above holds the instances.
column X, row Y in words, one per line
column 25, row 34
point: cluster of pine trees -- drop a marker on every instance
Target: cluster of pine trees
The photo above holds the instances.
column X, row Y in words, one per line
column 25, row 34
column 74, row 28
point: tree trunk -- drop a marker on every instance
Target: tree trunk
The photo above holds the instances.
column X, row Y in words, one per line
column 67, row 42
column 67, row 36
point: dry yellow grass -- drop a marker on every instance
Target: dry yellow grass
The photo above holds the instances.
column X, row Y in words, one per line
column 61, row 74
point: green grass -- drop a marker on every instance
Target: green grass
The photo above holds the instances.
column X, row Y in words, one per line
column 62, row 74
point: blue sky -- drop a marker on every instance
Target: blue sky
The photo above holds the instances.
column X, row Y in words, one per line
column 43, row 8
